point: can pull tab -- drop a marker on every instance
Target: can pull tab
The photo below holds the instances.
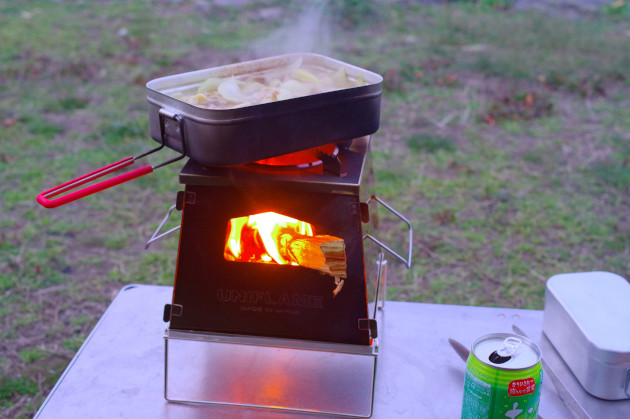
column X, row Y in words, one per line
column 505, row 351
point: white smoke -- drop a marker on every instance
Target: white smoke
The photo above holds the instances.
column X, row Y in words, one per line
column 310, row 32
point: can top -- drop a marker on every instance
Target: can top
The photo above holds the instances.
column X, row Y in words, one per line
column 506, row 351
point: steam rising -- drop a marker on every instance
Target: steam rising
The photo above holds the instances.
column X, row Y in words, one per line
column 310, row 32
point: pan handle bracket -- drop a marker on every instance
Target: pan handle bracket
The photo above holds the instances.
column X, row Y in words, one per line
column 180, row 129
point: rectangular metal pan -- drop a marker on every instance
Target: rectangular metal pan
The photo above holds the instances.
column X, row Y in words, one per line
column 226, row 137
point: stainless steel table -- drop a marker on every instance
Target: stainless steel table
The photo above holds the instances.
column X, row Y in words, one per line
column 119, row 370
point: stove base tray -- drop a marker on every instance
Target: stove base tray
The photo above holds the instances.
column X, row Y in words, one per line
column 270, row 373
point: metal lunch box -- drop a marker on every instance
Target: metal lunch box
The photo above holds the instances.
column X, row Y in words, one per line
column 226, row 137
column 587, row 319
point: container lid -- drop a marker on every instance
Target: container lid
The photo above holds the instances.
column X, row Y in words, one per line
column 599, row 304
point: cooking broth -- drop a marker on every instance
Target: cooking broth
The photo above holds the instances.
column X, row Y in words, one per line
column 292, row 81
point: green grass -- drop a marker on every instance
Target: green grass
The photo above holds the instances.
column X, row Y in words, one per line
column 430, row 144
column 504, row 139
column 30, row 355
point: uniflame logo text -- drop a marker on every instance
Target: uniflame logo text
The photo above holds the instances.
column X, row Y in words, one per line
column 521, row 387
column 267, row 298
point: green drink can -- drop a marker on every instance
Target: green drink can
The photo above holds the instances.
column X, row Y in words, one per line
column 503, row 378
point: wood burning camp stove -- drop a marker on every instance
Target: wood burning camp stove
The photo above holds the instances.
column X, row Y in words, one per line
column 313, row 326
column 278, row 272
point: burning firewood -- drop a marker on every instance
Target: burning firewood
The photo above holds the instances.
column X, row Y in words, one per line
column 322, row 252
column 274, row 238
column 339, row 285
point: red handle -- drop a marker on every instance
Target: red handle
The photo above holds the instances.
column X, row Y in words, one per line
column 44, row 197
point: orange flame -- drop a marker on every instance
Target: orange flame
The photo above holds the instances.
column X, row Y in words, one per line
column 262, row 238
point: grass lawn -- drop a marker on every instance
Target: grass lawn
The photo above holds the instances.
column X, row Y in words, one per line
column 505, row 139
